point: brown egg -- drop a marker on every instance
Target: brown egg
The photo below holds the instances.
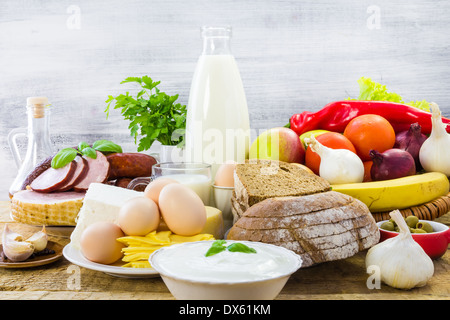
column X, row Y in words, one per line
column 154, row 188
column 225, row 175
column 99, row 242
column 182, row 209
column 139, row 216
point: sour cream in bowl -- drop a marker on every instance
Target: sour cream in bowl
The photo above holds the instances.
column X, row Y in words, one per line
column 225, row 269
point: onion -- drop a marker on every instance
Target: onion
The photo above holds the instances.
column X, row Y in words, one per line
column 391, row 164
column 411, row 141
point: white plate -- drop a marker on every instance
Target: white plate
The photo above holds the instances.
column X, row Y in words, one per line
column 76, row 257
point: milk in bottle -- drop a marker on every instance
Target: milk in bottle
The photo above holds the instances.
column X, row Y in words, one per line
column 217, row 125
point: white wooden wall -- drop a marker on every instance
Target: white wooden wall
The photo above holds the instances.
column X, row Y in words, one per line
column 293, row 56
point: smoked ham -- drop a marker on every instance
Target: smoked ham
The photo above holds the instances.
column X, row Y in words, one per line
column 37, row 208
column 52, row 179
column 80, row 172
column 98, row 171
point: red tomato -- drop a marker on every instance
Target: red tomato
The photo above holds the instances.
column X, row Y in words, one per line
column 331, row 140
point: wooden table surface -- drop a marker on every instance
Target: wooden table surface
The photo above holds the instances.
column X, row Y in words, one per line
column 337, row 280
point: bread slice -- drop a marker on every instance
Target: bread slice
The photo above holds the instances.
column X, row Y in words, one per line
column 257, row 180
column 320, row 227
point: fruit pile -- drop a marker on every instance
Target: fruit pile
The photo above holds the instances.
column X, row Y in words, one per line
column 368, row 156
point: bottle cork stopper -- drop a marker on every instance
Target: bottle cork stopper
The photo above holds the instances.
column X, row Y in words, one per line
column 37, row 105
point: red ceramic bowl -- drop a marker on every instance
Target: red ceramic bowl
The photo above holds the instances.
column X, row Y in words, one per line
column 434, row 244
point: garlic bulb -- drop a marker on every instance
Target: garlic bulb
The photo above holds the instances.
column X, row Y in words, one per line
column 337, row 166
column 14, row 248
column 39, row 240
column 402, row 262
column 434, row 154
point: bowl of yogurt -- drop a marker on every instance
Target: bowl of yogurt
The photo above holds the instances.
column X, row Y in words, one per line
column 225, row 269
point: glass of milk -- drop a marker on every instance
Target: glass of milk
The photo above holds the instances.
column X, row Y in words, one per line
column 196, row 176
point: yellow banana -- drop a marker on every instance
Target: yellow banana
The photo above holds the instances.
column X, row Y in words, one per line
column 398, row 193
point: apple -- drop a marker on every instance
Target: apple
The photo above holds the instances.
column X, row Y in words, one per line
column 281, row 144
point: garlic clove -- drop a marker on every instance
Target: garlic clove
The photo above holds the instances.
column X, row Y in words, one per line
column 15, row 249
column 39, row 240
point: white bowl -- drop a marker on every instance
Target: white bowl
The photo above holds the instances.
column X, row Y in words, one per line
column 189, row 275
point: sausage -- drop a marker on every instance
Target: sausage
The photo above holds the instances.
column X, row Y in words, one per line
column 79, row 174
column 37, row 171
column 130, row 165
column 98, row 170
column 52, row 179
column 122, row 182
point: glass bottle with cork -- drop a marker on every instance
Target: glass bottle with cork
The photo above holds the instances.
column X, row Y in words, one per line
column 39, row 146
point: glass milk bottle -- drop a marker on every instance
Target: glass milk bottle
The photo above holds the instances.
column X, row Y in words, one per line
column 217, row 125
column 39, row 145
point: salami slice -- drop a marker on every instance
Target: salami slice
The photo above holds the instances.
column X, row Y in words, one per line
column 52, row 179
column 79, row 174
column 98, row 170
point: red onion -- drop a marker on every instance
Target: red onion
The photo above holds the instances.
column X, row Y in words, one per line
column 411, row 141
column 391, row 164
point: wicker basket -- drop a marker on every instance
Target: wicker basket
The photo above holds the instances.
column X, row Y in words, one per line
column 427, row 211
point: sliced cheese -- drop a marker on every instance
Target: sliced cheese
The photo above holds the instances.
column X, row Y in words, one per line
column 102, row 202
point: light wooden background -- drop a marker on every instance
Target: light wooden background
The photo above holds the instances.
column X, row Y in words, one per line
column 293, row 56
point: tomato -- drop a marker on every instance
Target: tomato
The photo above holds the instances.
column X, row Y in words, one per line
column 370, row 132
column 367, row 167
column 333, row 140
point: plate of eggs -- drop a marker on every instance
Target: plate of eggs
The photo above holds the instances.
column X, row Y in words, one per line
column 165, row 206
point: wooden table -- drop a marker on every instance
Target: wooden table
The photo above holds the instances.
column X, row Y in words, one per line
column 337, row 280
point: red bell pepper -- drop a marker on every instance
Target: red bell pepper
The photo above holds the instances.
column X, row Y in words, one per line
column 336, row 115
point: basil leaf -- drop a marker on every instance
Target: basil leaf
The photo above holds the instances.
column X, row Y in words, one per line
column 106, row 146
column 240, row 247
column 216, row 247
column 82, row 145
column 63, row 157
column 89, row 152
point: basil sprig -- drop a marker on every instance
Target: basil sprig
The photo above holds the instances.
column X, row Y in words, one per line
column 67, row 155
column 219, row 246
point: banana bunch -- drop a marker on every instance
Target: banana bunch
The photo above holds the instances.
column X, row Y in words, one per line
column 398, row 193
column 139, row 248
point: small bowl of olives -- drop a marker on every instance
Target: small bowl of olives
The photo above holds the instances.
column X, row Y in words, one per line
column 432, row 236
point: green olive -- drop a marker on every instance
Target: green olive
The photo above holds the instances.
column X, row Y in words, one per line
column 389, row 226
column 424, row 226
column 419, row 231
column 392, row 221
column 396, row 229
column 411, row 221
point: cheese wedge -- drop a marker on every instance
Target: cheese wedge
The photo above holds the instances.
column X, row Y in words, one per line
column 214, row 223
column 102, row 202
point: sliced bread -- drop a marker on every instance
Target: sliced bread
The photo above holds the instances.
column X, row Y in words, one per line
column 257, row 180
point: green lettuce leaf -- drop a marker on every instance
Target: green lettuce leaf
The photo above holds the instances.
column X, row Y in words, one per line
column 371, row 90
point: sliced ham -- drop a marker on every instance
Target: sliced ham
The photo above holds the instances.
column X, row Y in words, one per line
column 52, row 179
column 98, row 170
column 55, row 208
column 79, row 174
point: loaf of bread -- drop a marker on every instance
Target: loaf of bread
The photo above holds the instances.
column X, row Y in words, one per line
column 320, row 227
column 257, row 180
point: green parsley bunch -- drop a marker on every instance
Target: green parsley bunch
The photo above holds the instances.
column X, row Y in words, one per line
column 153, row 114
